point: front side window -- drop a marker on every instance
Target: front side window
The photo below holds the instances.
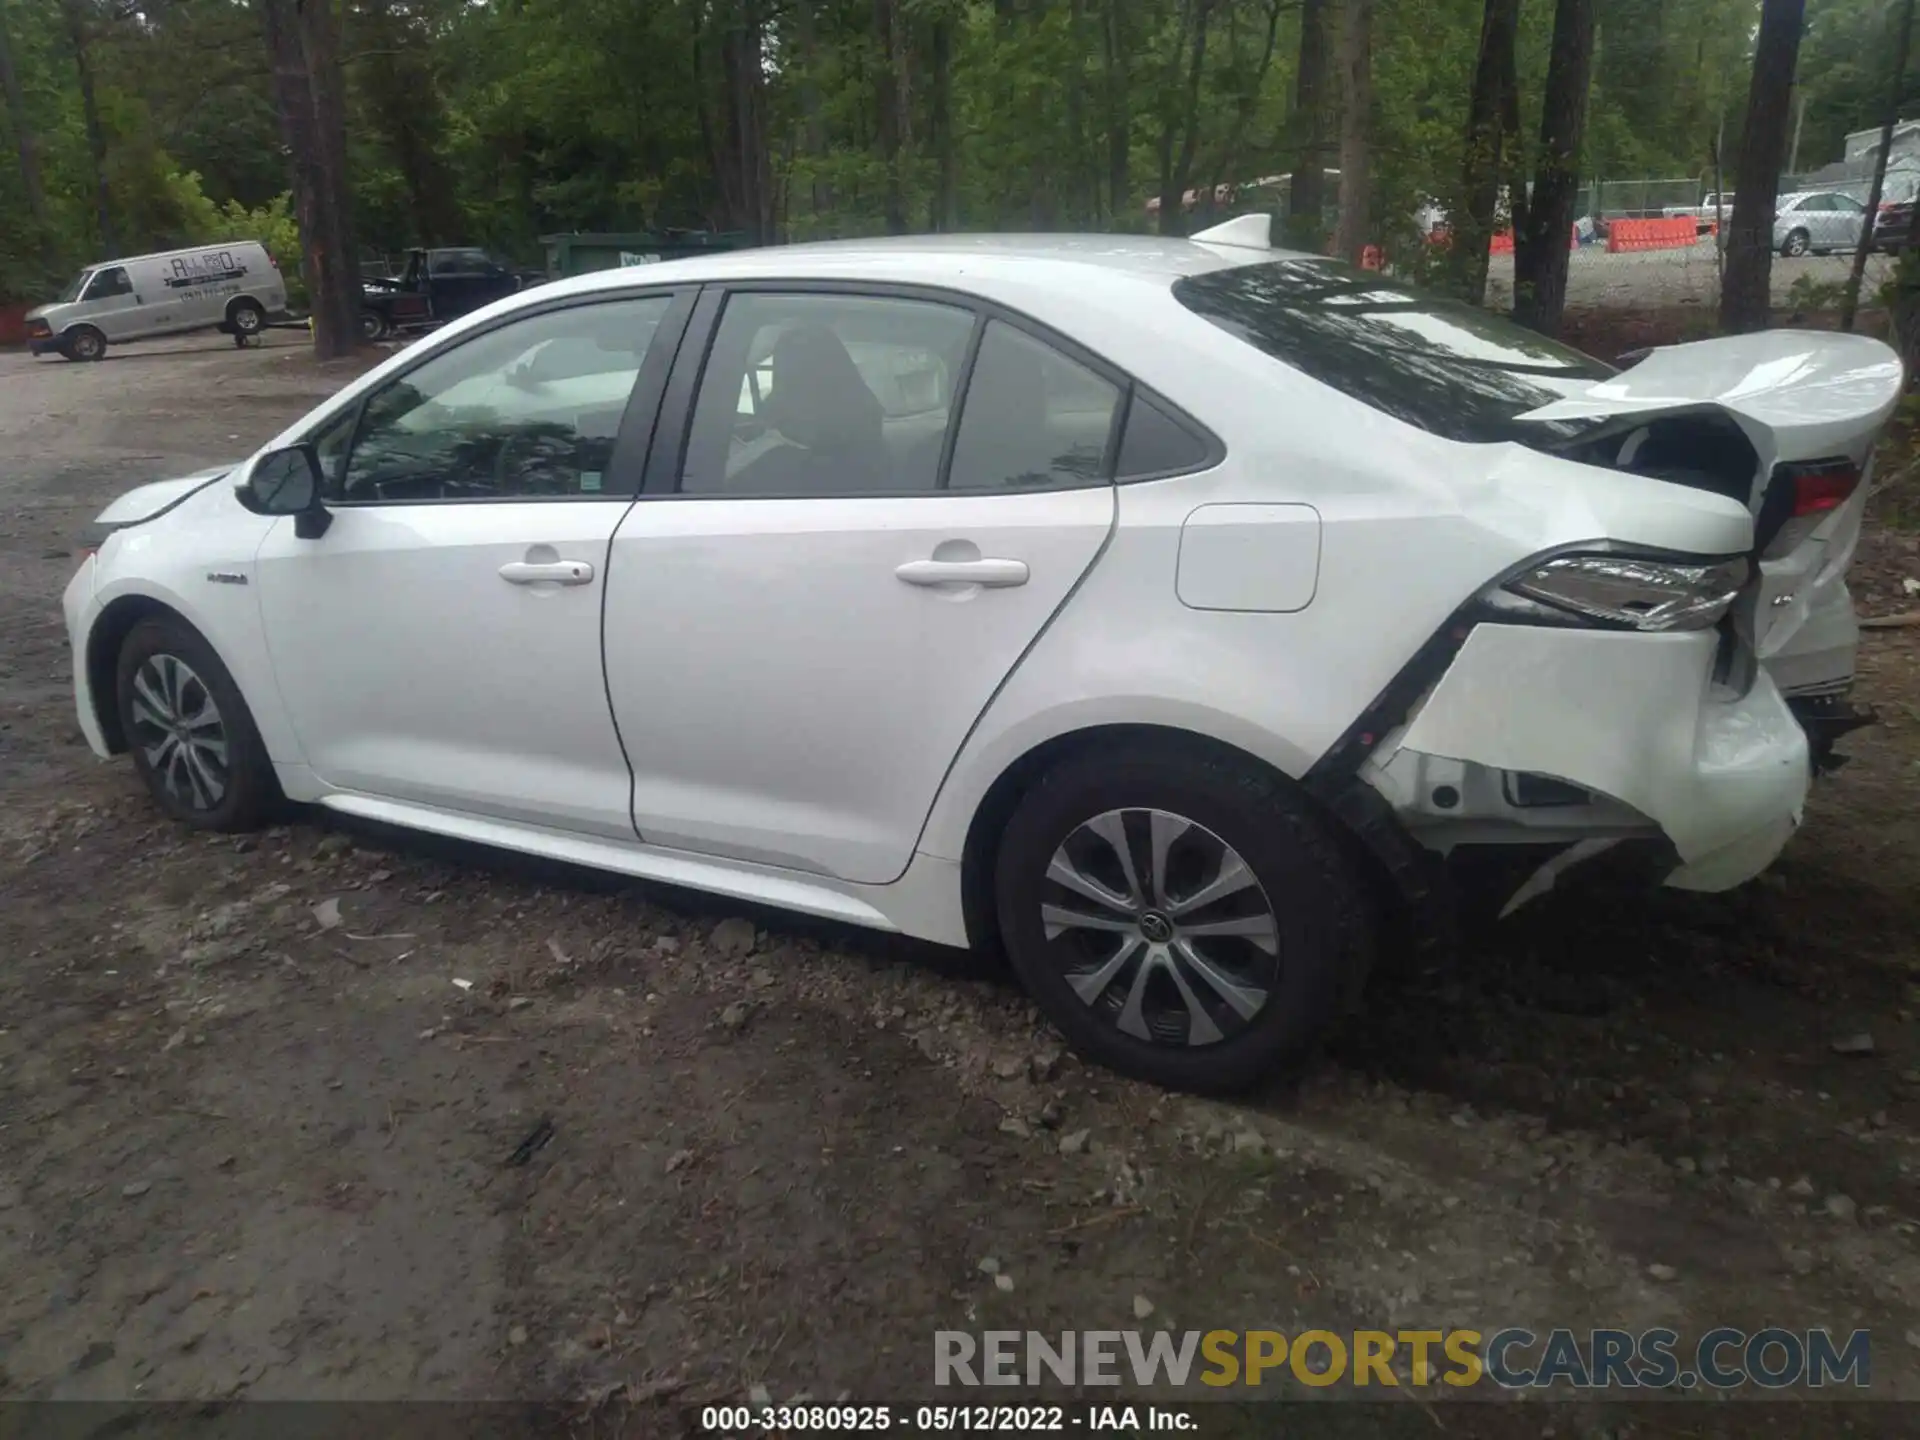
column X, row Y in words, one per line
column 1454, row 369
column 818, row 394
column 109, row 282
column 1033, row 418
column 530, row 410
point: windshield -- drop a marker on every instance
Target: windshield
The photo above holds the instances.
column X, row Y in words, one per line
column 74, row 286
column 1453, row 369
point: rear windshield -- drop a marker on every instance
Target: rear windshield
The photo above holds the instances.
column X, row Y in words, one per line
column 1451, row 368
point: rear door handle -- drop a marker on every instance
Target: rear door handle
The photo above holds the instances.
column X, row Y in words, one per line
column 556, row 572
column 994, row 574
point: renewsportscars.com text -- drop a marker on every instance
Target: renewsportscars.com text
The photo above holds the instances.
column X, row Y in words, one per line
column 1512, row 1359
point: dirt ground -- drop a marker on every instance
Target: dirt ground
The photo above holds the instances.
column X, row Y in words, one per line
column 246, row 1154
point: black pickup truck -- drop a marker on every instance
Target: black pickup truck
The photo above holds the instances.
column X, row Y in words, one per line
column 436, row 286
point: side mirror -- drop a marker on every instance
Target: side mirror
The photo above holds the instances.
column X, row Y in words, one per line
column 287, row 482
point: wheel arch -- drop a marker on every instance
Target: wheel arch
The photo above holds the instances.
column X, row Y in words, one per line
column 104, row 641
column 1386, row 860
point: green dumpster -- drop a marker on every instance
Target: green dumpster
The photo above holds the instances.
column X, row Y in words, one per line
column 580, row 252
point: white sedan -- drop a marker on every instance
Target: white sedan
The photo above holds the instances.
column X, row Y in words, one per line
column 1159, row 611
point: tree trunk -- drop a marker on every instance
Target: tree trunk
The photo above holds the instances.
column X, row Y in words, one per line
column 1540, row 246
column 76, row 19
column 1227, row 164
column 1356, row 109
column 1306, row 195
column 1119, row 120
column 303, row 50
column 1745, row 292
column 736, row 137
column 944, row 207
column 1082, row 198
column 812, row 124
column 25, row 138
column 1176, row 174
column 1470, row 222
column 1896, row 83
column 889, row 88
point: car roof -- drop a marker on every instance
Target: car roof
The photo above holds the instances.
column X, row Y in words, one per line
column 971, row 263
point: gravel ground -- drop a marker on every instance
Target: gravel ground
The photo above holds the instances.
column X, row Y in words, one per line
column 1653, row 278
column 252, row 1152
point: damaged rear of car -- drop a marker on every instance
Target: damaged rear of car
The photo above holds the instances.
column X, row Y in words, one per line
column 1601, row 694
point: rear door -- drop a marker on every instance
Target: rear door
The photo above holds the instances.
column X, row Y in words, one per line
column 880, row 501
column 1849, row 219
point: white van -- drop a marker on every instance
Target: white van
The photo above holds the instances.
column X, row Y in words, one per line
column 233, row 286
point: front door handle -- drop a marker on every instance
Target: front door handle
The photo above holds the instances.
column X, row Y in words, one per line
column 994, row 574
column 556, row 572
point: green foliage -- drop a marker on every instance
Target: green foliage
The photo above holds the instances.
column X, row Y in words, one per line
column 1809, row 294
column 497, row 123
column 272, row 224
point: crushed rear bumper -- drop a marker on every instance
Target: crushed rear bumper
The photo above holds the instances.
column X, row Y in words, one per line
column 1552, row 736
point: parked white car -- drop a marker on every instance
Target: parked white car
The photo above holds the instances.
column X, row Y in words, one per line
column 1160, row 610
column 1714, row 208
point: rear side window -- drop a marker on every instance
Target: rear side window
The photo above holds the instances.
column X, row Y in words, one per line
column 1033, row 419
column 825, row 394
column 1454, row 369
column 1156, row 443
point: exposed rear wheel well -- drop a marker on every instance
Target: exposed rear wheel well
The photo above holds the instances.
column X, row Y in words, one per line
column 109, row 633
column 1003, row 797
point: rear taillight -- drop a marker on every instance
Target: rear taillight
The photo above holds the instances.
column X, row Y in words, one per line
column 273, row 260
column 1798, row 498
column 1820, row 488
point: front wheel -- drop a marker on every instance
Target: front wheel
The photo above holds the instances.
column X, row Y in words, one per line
column 193, row 739
column 373, row 326
column 1798, row 242
column 84, row 344
column 1183, row 917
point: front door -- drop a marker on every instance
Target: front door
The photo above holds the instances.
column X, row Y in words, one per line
column 440, row 642
column 112, row 307
column 802, row 633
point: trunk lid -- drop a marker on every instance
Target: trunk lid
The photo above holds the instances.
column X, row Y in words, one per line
column 1796, row 394
column 1810, row 405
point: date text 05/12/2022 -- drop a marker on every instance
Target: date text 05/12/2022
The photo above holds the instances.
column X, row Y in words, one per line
column 944, row 1419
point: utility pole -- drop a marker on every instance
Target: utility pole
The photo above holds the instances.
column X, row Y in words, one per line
column 1799, row 122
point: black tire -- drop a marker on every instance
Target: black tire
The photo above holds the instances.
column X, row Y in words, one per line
column 247, row 792
column 1322, row 922
column 373, row 326
column 83, row 344
column 245, row 317
column 1796, row 244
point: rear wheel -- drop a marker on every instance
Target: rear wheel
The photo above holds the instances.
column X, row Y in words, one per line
column 246, row 318
column 193, row 739
column 1797, row 243
column 1182, row 917
column 84, row 343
